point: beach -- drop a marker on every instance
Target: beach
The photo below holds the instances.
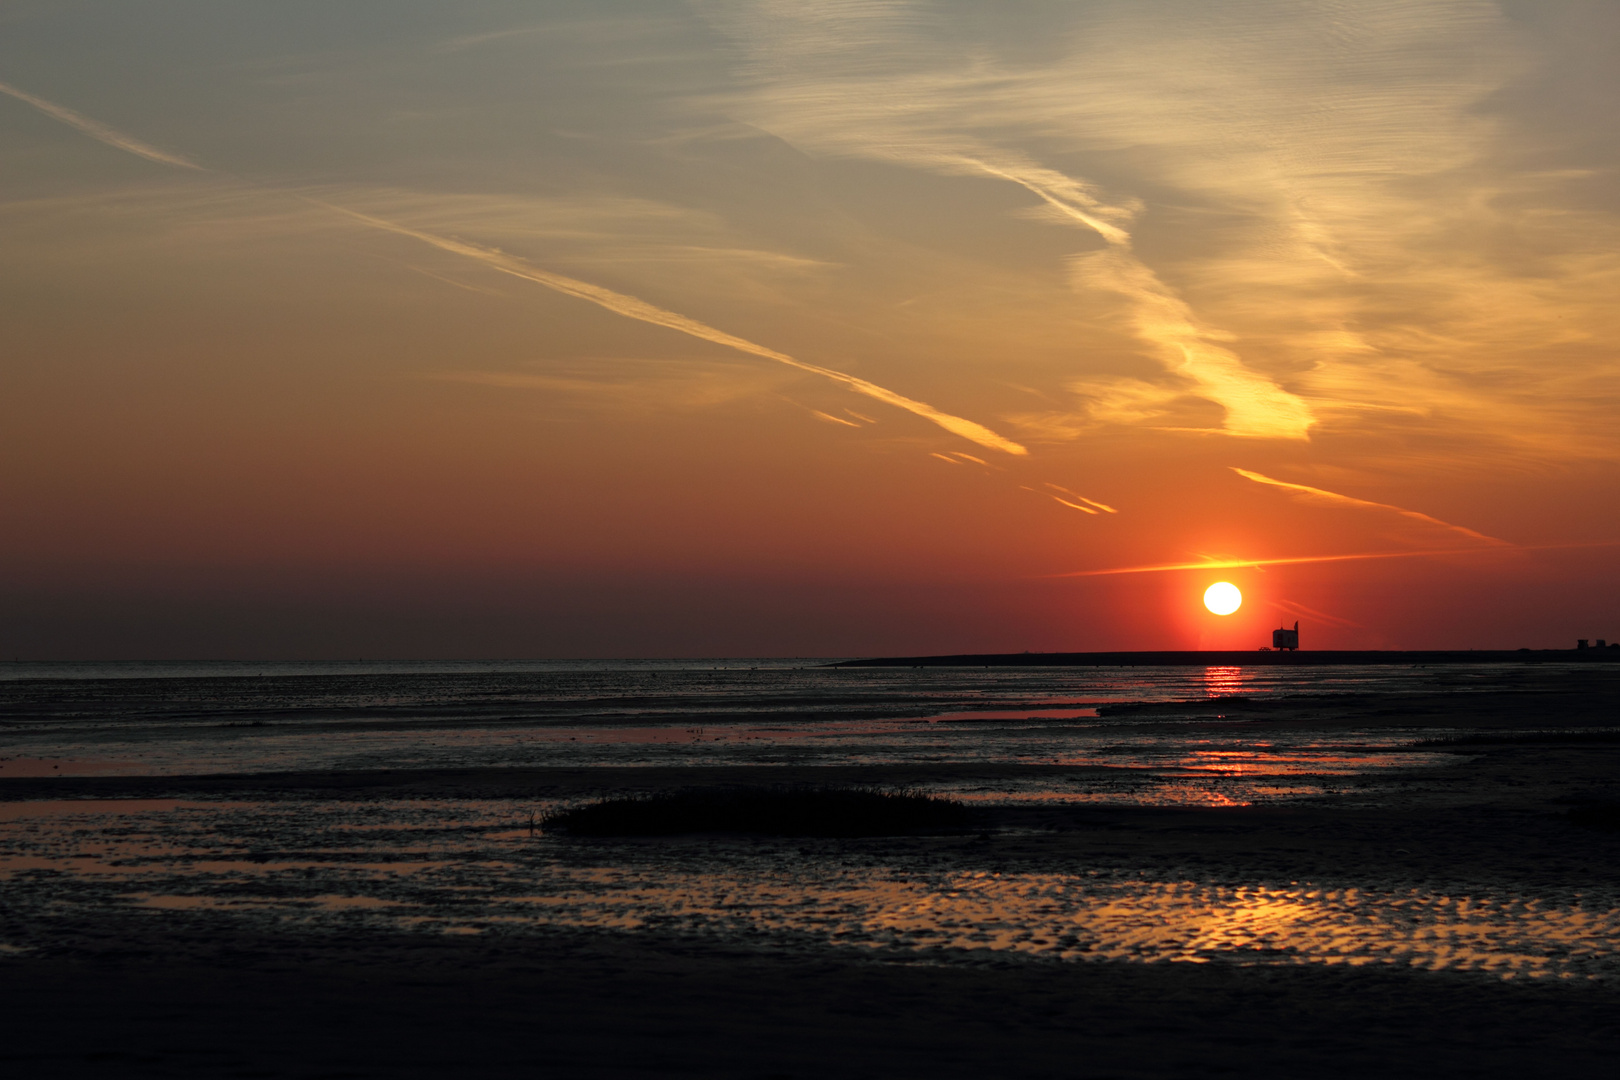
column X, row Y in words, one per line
column 760, row 540
column 1401, row 877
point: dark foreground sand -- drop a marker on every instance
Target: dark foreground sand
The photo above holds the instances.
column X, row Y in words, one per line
column 201, row 993
column 616, row 1006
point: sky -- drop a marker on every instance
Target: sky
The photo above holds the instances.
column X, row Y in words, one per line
column 595, row 329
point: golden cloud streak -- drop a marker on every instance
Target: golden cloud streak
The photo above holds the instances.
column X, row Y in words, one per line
column 809, row 94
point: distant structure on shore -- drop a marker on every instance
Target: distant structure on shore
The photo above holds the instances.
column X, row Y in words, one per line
column 1284, row 638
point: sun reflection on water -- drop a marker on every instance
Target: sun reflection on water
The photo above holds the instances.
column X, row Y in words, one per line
column 1223, row 681
column 1073, row 917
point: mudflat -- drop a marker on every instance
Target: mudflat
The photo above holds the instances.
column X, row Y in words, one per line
column 1459, row 915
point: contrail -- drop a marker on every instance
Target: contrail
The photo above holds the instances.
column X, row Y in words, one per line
column 1233, row 564
column 1104, row 507
column 1073, row 502
column 99, row 131
column 628, row 306
column 1345, row 500
column 819, row 415
column 633, row 308
column 1074, row 505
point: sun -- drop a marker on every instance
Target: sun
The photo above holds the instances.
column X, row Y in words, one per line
column 1223, row 598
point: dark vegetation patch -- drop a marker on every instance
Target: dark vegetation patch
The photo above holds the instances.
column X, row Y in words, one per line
column 1523, row 738
column 764, row 811
column 1597, row 815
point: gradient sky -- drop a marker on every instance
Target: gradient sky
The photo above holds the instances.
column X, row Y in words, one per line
column 610, row 329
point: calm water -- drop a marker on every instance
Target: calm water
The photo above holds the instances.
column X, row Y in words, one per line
column 99, row 719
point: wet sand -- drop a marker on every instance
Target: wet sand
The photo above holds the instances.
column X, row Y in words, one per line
column 1437, row 858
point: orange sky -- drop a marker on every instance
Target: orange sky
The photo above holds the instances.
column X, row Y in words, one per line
column 763, row 329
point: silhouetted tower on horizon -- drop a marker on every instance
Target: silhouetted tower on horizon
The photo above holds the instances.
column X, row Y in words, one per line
column 1284, row 638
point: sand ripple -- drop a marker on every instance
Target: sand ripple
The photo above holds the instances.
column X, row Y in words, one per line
column 460, row 867
column 1103, row 918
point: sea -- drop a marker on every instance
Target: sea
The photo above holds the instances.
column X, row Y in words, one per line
column 77, row 719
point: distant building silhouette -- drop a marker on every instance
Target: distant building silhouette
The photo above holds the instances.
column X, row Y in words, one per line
column 1284, row 638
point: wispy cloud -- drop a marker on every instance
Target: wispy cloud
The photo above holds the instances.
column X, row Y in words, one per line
column 860, row 83
column 1331, row 498
column 99, row 131
column 1311, row 213
column 635, row 308
column 590, row 229
column 468, row 41
column 480, row 289
column 1255, row 405
column 618, row 383
column 628, row 306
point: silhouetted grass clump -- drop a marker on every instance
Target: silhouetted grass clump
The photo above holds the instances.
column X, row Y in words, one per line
column 786, row 811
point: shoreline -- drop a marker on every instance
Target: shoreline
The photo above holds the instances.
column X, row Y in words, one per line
column 1249, row 658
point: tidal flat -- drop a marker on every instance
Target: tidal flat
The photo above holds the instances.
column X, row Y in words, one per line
column 1407, row 872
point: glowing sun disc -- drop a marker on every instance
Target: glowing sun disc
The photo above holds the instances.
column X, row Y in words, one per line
column 1223, row 598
